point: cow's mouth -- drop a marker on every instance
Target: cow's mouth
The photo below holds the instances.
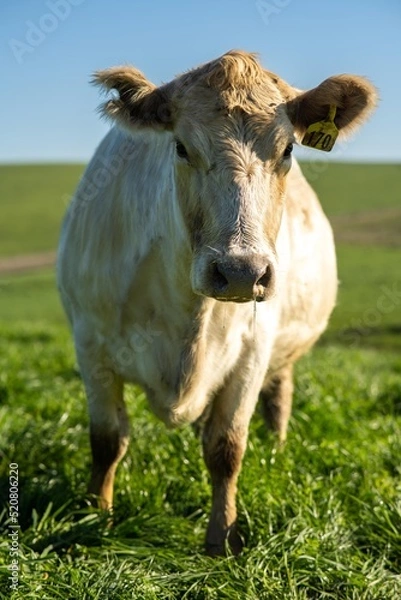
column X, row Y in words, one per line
column 241, row 299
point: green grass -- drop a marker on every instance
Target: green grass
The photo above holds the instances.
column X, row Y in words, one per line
column 33, row 201
column 347, row 188
column 30, row 297
column 368, row 312
column 322, row 519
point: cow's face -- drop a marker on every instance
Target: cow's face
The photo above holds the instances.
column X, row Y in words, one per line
column 231, row 168
column 232, row 126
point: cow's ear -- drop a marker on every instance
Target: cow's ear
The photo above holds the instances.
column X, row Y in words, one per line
column 353, row 97
column 138, row 103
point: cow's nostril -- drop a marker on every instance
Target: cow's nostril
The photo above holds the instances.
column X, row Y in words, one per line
column 219, row 281
column 240, row 278
column 266, row 277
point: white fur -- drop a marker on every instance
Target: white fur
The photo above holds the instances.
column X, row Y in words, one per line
column 124, row 277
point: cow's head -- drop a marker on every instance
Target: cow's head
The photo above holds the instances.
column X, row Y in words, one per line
column 232, row 127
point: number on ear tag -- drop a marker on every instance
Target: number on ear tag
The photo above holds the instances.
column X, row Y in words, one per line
column 323, row 134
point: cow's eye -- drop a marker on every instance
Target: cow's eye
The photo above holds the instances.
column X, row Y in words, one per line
column 288, row 150
column 181, row 150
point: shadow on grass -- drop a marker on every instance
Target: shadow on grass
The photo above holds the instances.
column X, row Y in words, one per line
column 68, row 374
column 28, row 336
column 386, row 337
column 48, row 522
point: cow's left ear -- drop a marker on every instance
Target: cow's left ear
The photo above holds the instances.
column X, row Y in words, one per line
column 139, row 103
column 353, row 97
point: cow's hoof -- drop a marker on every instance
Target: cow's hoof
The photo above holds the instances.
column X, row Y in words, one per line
column 231, row 544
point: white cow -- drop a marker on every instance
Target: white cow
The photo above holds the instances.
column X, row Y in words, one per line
column 190, row 212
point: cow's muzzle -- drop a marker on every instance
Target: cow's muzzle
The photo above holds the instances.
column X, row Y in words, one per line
column 240, row 278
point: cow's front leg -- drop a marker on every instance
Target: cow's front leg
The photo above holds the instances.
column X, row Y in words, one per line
column 109, row 429
column 223, row 455
column 108, row 438
column 224, row 441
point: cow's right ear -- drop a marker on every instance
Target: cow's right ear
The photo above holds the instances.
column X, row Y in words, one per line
column 139, row 102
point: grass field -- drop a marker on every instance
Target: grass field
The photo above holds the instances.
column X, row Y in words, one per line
column 33, row 200
column 322, row 519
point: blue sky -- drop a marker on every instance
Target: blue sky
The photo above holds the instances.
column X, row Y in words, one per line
column 49, row 48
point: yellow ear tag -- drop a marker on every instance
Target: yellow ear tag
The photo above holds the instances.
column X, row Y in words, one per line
column 323, row 134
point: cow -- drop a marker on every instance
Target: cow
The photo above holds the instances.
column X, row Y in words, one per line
column 196, row 261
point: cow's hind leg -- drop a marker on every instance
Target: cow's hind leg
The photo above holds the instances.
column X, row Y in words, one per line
column 276, row 401
column 109, row 430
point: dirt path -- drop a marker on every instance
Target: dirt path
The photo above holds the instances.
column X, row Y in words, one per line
column 380, row 227
column 28, row 262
